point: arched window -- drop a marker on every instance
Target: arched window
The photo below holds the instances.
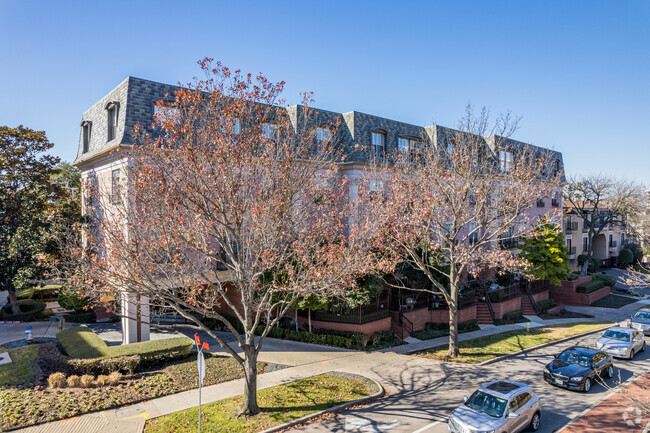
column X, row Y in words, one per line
column 85, row 135
column 112, row 108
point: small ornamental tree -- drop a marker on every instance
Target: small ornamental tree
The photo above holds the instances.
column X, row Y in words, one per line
column 545, row 253
column 625, row 257
column 451, row 203
column 235, row 205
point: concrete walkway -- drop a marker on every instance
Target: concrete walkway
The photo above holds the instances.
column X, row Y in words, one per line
column 388, row 367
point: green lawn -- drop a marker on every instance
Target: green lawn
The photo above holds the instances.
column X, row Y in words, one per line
column 492, row 346
column 20, row 371
column 613, row 301
column 279, row 404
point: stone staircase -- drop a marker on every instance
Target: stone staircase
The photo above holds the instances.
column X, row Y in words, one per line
column 527, row 307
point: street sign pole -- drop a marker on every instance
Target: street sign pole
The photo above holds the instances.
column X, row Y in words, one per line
column 200, row 363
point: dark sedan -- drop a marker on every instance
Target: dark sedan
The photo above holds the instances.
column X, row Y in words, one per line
column 577, row 367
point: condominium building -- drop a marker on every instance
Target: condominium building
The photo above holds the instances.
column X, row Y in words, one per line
column 107, row 127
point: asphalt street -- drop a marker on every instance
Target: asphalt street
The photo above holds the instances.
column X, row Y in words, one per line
column 428, row 395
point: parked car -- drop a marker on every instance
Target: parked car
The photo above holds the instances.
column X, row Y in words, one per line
column 641, row 321
column 498, row 406
column 577, row 367
column 621, row 342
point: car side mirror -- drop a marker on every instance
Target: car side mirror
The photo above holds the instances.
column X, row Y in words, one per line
column 513, row 415
column 465, row 398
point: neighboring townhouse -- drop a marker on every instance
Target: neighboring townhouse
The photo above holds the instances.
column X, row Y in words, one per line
column 107, row 127
column 606, row 245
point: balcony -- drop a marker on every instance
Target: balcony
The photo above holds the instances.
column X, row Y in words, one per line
column 509, row 243
column 571, row 226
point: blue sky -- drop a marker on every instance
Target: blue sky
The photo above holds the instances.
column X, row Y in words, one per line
column 576, row 71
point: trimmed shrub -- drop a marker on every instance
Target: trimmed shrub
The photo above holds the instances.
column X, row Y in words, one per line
column 513, row 315
column 545, row 304
column 573, row 276
column 29, row 309
column 607, row 279
column 625, row 257
column 126, row 364
column 469, row 325
column 57, row 380
column 87, row 381
column 114, row 378
column 590, row 287
column 383, row 337
column 81, row 342
column 85, row 317
column 102, row 380
column 74, row 381
column 71, row 300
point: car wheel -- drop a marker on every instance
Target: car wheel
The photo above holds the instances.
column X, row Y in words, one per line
column 610, row 371
column 535, row 422
column 631, row 354
column 643, row 347
column 587, row 386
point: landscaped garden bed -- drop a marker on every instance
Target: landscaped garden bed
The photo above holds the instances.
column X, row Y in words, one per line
column 279, row 405
column 613, row 301
column 43, row 384
column 492, row 346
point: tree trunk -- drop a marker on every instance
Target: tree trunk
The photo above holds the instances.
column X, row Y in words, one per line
column 13, row 300
column 296, row 319
column 585, row 266
column 453, row 327
column 249, row 402
column 309, row 319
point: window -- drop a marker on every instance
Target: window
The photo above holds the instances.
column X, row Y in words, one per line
column 524, row 399
column 611, row 240
column 163, row 112
column 111, row 111
column 450, row 148
column 267, row 130
column 568, row 244
column 622, row 239
column 323, row 135
column 115, row 185
column 232, row 126
column 409, row 147
column 556, row 167
column 540, row 202
column 85, row 136
column 376, row 186
column 378, row 144
column 585, row 244
column 505, row 161
column 473, row 237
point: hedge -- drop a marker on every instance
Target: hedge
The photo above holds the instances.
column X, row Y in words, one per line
column 81, row 342
column 39, row 292
column 29, row 310
column 513, row 315
column 609, row 280
column 545, row 304
column 435, row 330
column 87, row 317
column 590, row 287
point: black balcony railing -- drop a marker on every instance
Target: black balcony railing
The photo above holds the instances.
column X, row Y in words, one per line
column 509, row 243
column 571, row 226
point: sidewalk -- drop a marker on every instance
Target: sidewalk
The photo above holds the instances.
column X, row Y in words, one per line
column 616, row 414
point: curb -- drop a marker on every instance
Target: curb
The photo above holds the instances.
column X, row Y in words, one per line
column 595, row 405
column 338, row 408
column 530, row 349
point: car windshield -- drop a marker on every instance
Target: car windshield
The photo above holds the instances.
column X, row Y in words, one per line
column 576, row 358
column 487, row 404
column 645, row 315
column 617, row 335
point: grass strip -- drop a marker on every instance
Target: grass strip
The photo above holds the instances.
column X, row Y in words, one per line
column 20, row 370
column 492, row 346
column 279, row 405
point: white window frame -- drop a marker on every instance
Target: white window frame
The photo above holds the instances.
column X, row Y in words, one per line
column 505, row 161
column 268, row 130
column 378, row 149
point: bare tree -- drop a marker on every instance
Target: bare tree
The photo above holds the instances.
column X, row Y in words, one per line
column 234, row 206
column 601, row 201
column 453, row 199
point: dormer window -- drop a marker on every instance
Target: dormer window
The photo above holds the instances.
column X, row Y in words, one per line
column 505, row 161
column 409, row 147
column 378, row 144
column 111, row 120
column 323, row 135
column 85, row 136
column 232, row 126
column 165, row 112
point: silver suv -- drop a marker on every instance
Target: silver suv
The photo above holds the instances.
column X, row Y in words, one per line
column 501, row 406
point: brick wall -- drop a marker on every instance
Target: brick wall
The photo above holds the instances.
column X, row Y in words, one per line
column 367, row 328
